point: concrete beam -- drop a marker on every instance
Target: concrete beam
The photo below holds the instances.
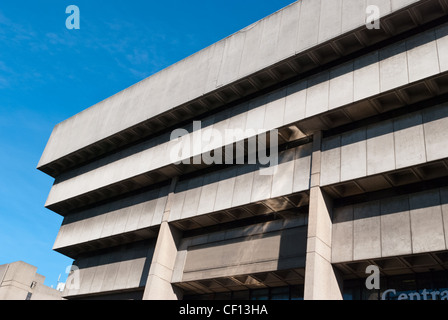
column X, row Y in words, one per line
column 322, row 281
column 392, row 144
column 158, row 284
column 402, row 225
column 292, row 30
column 324, row 92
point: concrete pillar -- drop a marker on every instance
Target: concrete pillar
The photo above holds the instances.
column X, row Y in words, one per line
column 322, row 281
column 158, row 285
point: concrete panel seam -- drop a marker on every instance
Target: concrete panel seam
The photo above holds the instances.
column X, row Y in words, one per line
column 443, row 222
column 424, row 138
column 410, row 223
column 315, row 241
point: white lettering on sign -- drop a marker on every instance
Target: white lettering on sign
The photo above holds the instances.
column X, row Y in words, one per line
column 417, row 295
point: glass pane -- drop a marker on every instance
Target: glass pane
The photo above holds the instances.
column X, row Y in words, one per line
column 223, row 296
column 347, row 295
column 281, row 293
column 439, row 280
column 296, row 292
column 241, row 295
column 260, row 294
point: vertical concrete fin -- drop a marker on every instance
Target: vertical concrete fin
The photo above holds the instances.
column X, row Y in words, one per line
column 158, row 286
column 322, row 281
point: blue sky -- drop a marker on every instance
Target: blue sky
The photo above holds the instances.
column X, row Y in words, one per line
column 49, row 73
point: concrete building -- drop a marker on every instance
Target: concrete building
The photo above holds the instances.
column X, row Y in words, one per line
column 19, row 281
column 360, row 117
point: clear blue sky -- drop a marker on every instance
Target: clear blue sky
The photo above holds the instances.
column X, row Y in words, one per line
column 49, row 73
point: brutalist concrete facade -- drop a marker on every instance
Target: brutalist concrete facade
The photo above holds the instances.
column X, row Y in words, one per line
column 19, row 281
column 361, row 120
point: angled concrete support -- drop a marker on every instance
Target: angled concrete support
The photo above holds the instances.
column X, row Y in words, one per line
column 322, row 281
column 158, row 285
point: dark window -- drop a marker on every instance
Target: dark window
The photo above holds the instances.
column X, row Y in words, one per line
column 277, row 293
column 407, row 283
column 260, row 294
column 281, row 293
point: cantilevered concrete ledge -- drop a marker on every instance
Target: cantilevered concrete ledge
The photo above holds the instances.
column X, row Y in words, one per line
column 69, row 192
column 304, row 36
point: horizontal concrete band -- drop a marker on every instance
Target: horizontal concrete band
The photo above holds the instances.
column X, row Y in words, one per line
column 270, row 246
column 129, row 215
column 126, row 267
column 413, row 139
column 409, row 140
column 409, row 61
column 120, row 268
column 242, row 185
column 402, row 225
column 296, row 28
column 214, row 192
